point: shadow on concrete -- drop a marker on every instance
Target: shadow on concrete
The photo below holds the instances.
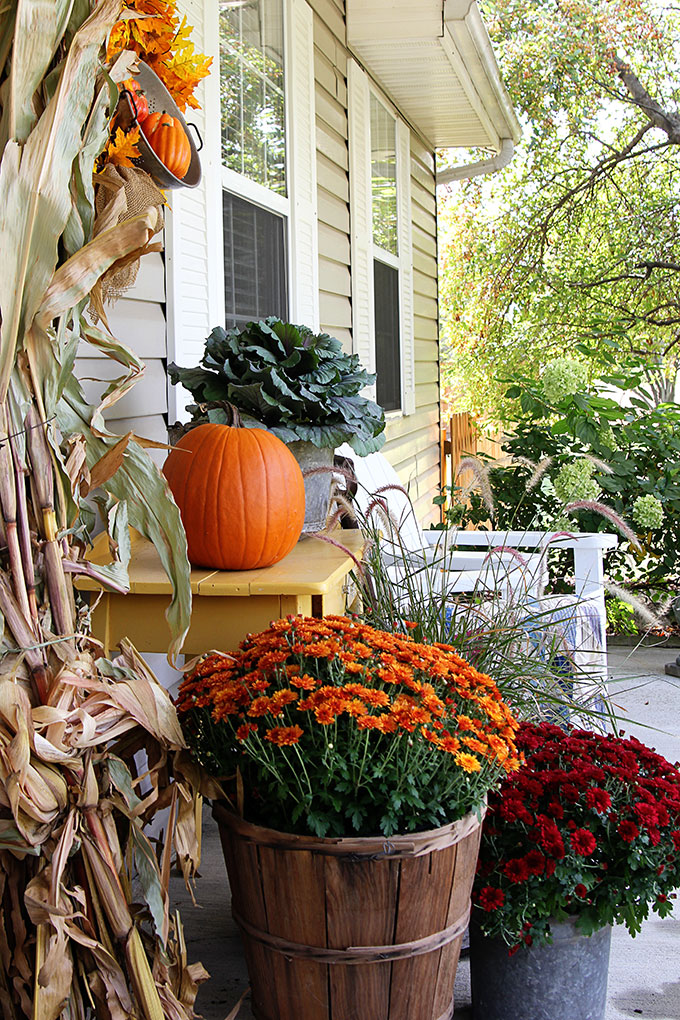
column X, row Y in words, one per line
column 663, row 1004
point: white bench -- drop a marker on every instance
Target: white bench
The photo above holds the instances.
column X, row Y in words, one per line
column 508, row 561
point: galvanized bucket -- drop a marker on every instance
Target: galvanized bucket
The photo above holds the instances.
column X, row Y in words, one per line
column 563, row 981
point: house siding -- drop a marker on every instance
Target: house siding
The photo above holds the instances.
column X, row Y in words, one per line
column 412, row 444
column 412, row 440
column 138, row 321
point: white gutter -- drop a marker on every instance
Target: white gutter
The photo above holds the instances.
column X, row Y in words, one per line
column 463, row 20
column 481, row 166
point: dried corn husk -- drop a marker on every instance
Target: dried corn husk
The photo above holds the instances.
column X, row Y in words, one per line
column 72, row 811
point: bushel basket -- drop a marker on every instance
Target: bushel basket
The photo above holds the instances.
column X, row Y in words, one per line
column 363, row 928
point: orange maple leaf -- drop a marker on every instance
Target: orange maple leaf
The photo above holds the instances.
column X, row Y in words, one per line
column 121, row 148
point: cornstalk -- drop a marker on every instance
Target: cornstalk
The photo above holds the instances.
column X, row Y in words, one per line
column 8, row 504
column 43, row 480
column 21, row 474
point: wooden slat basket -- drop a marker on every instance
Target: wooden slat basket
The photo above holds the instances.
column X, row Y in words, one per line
column 350, row 929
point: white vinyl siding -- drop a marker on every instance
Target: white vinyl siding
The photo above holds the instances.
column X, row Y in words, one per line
column 193, row 233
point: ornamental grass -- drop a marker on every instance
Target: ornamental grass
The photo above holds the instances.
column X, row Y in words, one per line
column 590, row 826
column 336, row 728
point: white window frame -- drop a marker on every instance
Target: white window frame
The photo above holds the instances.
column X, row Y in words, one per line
column 298, row 206
column 364, row 250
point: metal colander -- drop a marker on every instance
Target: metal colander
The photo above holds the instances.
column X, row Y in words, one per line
column 160, row 101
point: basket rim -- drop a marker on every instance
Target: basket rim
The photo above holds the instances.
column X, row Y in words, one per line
column 416, row 844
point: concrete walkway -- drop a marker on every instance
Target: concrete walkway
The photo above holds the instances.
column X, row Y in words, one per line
column 644, row 975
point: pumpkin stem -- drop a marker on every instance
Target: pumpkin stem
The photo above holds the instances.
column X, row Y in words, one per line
column 231, row 411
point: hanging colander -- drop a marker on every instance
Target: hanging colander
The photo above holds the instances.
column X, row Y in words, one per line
column 160, row 101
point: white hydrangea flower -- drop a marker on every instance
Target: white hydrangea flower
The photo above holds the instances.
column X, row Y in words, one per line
column 574, row 482
column 608, row 438
column 648, row 512
column 562, row 378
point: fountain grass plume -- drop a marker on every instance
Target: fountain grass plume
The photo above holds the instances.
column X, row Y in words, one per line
column 481, row 476
column 608, row 513
column 601, row 465
column 539, row 470
column 643, row 611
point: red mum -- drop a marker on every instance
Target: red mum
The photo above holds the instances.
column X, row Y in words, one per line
column 583, row 842
column 598, row 799
column 516, row 870
column 535, row 862
column 491, row 898
column 628, row 830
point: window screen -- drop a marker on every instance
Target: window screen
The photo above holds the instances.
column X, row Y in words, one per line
column 254, row 262
column 387, row 339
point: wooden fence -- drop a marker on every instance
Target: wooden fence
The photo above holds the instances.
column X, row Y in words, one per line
column 462, row 438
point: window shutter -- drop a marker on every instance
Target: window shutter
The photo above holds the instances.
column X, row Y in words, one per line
column 361, row 222
column 193, row 229
column 302, row 167
column 408, row 368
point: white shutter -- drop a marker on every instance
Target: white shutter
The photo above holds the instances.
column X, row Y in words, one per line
column 408, row 368
column 361, row 221
column 302, row 167
column 193, row 231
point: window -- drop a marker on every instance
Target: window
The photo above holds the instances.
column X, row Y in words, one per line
column 268, row 160
column 254, row 262
column 253, row 121
column 385, row 221
column 382, row 270
column 252, row 91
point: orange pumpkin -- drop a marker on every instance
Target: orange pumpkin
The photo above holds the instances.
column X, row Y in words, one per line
column 169, row 141
column 140, row 103
column 240, row 493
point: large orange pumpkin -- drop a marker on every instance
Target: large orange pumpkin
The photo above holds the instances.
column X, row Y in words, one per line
column 169, row 141
column 240, row 493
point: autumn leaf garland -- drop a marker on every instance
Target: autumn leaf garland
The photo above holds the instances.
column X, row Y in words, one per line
column 164, row 43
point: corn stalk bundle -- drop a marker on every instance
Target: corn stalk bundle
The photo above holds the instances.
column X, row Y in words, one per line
column 86, row 927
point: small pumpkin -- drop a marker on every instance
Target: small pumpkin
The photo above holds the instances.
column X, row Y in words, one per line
column 169, row 141
column 240, row 493
column 140, row 104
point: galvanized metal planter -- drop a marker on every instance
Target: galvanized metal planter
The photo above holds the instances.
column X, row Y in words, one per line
column 564, row 981
column 317, row 485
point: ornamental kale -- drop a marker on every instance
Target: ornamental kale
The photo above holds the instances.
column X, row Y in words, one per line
column 589, row 827
column 301, row 385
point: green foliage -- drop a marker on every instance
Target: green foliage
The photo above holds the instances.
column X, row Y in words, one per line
column 578, row 236
column 636, row 457
column 300, row 384
column 620, row 617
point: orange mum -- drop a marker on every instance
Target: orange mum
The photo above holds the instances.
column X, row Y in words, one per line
column 425, row 694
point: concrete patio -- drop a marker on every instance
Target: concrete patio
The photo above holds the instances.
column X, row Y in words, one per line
column 644, row 975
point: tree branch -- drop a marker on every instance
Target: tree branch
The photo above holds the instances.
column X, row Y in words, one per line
column 668, row 122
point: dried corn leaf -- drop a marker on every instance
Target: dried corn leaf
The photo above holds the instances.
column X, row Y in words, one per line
column 35, row 197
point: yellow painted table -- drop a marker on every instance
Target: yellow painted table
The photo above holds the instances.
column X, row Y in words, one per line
column 227, row 604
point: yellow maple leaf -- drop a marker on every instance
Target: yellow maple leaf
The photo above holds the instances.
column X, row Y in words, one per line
column 121, row 148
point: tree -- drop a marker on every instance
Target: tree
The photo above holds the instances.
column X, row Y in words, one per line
column 577, row 239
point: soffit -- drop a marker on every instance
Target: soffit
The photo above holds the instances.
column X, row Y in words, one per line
column 435, row 61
